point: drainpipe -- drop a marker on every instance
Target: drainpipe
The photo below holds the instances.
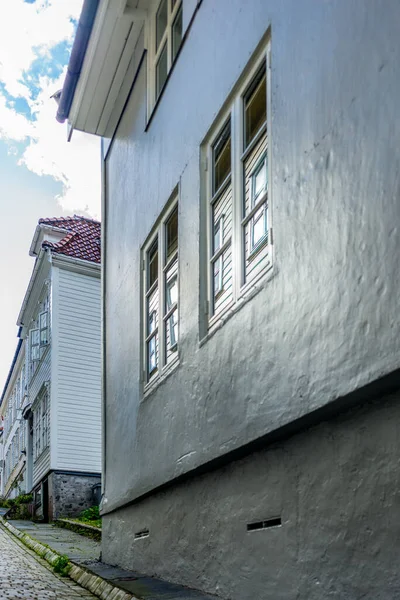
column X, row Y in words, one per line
column 78, row 52
column 103, row 502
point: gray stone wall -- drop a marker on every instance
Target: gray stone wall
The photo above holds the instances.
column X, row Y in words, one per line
column 69, row 495
column 336, row 489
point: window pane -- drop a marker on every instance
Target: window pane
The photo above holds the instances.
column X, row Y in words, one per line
column 218, row 234
column 152, row 261
column 152, row 322
column 177, row 33
column 43, row 320
column 222, row 157
column 152, row 354
column 172, row 330
column 218, row 275
column 255, row 106
column 259, row 181
column 171, row 234
column 161, row 21
column 259, row 228
column 172, row 293
column 161, row 70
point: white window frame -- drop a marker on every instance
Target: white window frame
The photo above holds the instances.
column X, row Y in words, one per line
column 164, row 314
column 217, row 250
column 41, row 424
column 37, row 432
column 258, row 203
column 235, row 112
column 44, row 329
column 34, row 356
column 155, row 53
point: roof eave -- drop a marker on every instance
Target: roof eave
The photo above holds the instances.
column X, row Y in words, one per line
column 78, row 53
column 108, row 62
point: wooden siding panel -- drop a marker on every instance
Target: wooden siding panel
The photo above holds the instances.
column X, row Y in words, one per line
column 41, row 466
column 79, row 373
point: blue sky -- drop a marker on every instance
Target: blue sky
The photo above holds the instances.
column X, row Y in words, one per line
column 41, row 174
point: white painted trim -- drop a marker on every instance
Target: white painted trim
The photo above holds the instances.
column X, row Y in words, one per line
column 77, row 265
column 234, row 109
column 153, row 54
column 158, row 231
column 54, row 364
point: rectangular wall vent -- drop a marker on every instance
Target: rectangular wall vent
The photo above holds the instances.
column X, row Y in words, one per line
column 275, row 522
column 142, row 534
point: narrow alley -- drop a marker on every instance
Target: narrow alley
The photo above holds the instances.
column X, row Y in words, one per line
column 23, row 576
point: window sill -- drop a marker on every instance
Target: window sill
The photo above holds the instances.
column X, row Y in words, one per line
column 166, row 371
column 247, row 293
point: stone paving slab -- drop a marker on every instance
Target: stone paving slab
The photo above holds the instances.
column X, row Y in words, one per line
column 146, row 588
column 77, row 547
column 24, row 577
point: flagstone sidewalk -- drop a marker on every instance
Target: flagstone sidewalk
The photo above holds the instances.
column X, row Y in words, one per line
column 105, row 581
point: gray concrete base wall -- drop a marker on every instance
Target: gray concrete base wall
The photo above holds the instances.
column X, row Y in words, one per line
column 69, row 494
column 336, row 489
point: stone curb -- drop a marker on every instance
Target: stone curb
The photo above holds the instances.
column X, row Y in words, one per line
column 96, row 585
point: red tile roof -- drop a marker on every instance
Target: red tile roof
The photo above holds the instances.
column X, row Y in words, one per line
column 82, row 237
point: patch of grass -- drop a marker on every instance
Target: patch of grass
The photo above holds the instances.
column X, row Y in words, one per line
column 90, row 516
column 92, row 522
column 62, row 565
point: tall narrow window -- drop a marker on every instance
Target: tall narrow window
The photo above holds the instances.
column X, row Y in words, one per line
column 45, row 420
column 38, row 441
column 161, row 301
column 171, row 285
column 152, row 301
column 237, row 191
column 43, row 326
column 167, row 27
column 221, row 220
column 255, row 174
column 34, row 344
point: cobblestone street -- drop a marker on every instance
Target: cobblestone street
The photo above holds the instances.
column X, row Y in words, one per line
column 22, row 576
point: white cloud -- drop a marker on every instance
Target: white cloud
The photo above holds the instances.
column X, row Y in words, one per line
column 13, row 126
column 76, row 165
column 29, row 32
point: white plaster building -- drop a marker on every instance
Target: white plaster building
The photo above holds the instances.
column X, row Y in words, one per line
column 51, row 400
column 251, row 243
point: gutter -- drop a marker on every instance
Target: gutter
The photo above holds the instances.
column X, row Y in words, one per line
column 78, row 52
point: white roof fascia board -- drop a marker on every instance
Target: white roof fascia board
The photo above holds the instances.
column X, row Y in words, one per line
column 106, row 79
column 85, row 267
column 32, row 294
column 123, row 80
column 96, row 38
column 116, row 29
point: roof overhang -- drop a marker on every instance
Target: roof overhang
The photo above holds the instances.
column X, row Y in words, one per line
column 46, row 233
column 106, row 63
